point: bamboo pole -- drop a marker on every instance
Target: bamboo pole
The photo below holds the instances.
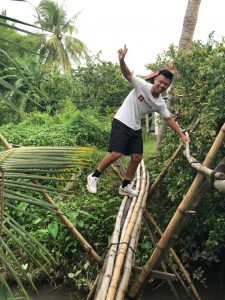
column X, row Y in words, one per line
column 219, row 177
column 149, row 219
column 93, row 289
column 123, row 247
column 116, row 171
column 111, row 256
column 176, row 221
column 104, row 281
column 163, row 265
column 131, row 208
column 165, row 169
column 86, row 246
column 122, row 288
column 172, row 159
column 157, row 274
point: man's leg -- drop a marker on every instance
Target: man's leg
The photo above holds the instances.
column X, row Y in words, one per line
column 126, row 189
column 92, row 179
column 132, row 166
column 108, row 160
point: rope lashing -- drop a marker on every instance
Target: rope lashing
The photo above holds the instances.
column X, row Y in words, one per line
column 107, row 249
column 212, row 179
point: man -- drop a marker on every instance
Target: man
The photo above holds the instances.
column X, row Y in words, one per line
column 126, row 135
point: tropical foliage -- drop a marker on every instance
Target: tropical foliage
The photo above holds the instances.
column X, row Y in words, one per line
column 64, row 109
column 60, row 47
column 198, row 92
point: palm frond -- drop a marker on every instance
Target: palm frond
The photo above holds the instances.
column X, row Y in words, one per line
column 17, row 28
column 36, row 161
column 18, row 21
column 29, row 244
column 20, row 46
column 10, row 269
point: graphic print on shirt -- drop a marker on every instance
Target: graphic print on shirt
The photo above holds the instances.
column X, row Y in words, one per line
column 141, row 98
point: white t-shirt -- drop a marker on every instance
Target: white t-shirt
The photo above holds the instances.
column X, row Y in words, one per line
column 140, row 102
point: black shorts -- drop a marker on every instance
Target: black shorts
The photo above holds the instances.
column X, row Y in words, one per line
column 124, row 139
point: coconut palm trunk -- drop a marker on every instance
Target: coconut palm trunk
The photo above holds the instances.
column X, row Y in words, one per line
column 189, row 24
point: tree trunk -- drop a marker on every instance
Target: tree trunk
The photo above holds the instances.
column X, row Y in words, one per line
column 190, row 20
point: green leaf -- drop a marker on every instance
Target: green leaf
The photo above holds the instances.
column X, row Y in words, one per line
column 53, row 229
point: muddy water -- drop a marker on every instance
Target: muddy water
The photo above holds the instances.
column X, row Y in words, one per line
column 214, row 291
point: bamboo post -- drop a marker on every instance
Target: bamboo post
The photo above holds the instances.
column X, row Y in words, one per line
column 116, row 171
column 172, row 159
column 86, row 246
column 176, row 221
column 149, row 219
column 163, row 265
column 93, row 289
column 165, row 170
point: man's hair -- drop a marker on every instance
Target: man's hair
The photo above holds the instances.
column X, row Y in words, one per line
column 166, row 73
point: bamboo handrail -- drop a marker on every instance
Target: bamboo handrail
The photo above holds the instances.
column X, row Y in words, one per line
column 218, row 177
column 86, row 246
column 172, row 159
column 176, row 222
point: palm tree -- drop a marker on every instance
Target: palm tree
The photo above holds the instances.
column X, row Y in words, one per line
column 190, row 20
column 61, row 47
column 189, row 24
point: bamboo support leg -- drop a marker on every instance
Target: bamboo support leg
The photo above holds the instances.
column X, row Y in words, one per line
column 149, row 219
column 163, row 266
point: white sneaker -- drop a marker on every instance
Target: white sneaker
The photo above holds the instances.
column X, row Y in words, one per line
column 128, row 191
column 92, row 183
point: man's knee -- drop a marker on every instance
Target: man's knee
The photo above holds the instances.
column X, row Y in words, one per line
column 136, row 158
column 115, row 155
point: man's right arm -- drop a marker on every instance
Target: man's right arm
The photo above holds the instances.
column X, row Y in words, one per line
column 123, row 67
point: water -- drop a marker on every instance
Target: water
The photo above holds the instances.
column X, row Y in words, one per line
column 162, row 292
column 215, row 290
column 212, row 292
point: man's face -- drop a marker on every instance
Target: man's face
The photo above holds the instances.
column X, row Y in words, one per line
column 161, row 84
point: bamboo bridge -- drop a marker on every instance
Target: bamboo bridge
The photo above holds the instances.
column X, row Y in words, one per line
column 117, row 263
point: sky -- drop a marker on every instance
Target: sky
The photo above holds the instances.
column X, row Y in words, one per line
column 147, row 27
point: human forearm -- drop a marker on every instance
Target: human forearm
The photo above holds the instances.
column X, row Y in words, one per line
column 125, row 70
column 173, row 125
column 123, row 67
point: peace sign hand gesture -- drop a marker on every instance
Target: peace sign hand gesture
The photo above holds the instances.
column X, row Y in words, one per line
column 122, row 52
